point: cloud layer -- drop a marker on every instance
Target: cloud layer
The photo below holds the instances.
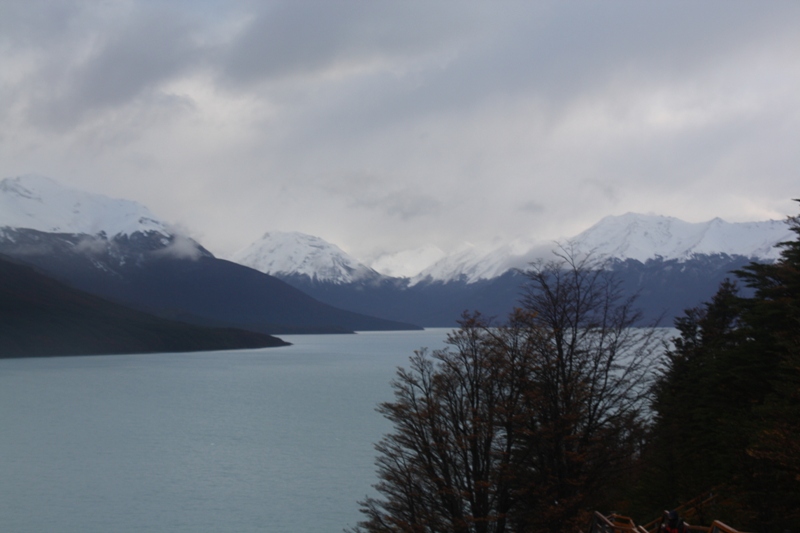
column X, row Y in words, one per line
column 385, row 126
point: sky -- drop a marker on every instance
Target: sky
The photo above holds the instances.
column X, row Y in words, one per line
column 386, row 126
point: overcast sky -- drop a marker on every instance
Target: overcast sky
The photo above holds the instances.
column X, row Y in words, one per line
column 388, row 125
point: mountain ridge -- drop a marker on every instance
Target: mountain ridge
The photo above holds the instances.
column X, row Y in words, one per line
column 117, row 250
column 37, row 202
column 643, row 237
column 294, row 253
column 670, row 264
column 673, row 264
column 629, row 236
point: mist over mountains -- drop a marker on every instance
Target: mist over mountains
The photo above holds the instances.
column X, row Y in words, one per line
column 289, row 282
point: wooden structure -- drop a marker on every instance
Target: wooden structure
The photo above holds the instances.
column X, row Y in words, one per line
column 615, row 523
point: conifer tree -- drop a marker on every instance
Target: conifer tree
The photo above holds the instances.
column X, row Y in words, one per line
column 696, row 438
column 773, row 319
column 728, row 403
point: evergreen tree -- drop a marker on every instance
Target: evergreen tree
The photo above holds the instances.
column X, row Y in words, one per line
column 696, row 439
column 727, row 406
column 773, row 319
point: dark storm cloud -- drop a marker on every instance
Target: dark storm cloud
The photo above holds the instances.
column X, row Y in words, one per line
column 37, row 24
column 150, row 47
column 149, row 50
column 301, row 38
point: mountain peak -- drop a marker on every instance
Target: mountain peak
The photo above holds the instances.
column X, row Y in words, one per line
column 628, row 236
column 37, row 202
column 643, row 237
column 294, row 253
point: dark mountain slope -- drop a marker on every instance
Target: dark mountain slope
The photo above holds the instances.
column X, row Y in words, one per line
column 43, row 317
column 227, row 293
column 188, row 284
column 665, row 288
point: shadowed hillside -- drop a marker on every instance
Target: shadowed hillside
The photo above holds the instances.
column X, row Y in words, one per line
column 42, row 317
column 187, row 284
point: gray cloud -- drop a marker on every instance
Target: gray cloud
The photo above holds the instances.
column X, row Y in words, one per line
column 381, row 194
column 532, row 207
column 383, row 125
column 91, row 245
column 152, row 47
column 552, row 52
column 305, row 38
column 38, row 25
column 408, row 204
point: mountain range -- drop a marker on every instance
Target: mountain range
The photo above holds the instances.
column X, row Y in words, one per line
column 297, row 283
column 629, row 236
column 119, row 251
column 671, row 264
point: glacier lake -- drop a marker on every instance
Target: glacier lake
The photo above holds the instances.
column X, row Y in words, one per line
column 270, row 440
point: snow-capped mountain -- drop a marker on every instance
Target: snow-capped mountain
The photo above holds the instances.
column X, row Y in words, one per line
column 42, row 204
column 467, row 263
column 629, row 236
column 471, row 265
column 286, row 254
column 643, row 237
column 671, row 264
column 118, row 250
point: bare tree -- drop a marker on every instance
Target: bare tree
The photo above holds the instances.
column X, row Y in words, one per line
column 516, row 427
column 592, row 375
column 447, row 466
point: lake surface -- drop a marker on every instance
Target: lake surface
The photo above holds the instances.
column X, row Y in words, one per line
column 271, row 440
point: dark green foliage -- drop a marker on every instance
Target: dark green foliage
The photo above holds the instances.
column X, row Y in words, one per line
column 728, row 403
column 773, row 320
column 696, row 438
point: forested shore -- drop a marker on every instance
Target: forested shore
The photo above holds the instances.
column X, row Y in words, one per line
column 564, row 409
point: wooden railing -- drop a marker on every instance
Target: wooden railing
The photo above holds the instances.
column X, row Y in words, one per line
column 719, row 527
column 614, row 524
column 691, row 510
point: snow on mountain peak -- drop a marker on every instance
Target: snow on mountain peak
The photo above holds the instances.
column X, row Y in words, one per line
column 643, row 237
column 628, row 236
column 40, row 203
column 472, row 264
column 293, row 253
